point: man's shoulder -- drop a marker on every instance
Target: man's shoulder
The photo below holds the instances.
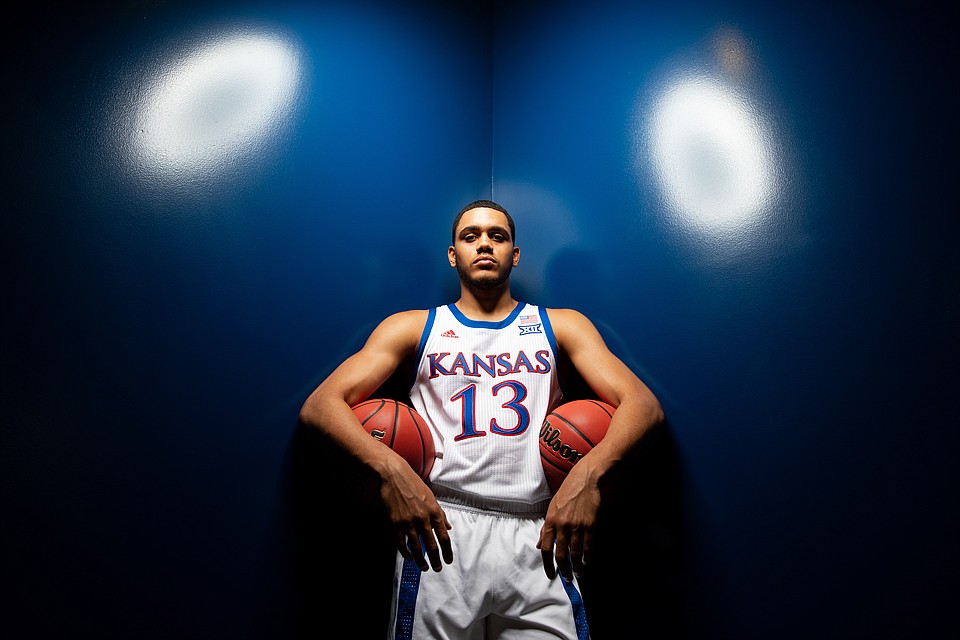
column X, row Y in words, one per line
column 560, row 314
column 400, row 330
column 411, row 313
column 567, row 322
column 408, row 317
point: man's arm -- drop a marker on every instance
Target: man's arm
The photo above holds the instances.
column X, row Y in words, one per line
column 571, row 516
column 414, row 512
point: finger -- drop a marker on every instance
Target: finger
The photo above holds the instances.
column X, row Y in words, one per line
column 433, row 550
column 548, row 568
column 545, row 544
column 416, row 550
column 562, row 555
column 443, row 538
column 576, row 552
column 402, row 546
column 437, row 540
column 587, row 549
column 580, row 543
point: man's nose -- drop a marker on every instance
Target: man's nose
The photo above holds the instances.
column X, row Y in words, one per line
column 484, row 243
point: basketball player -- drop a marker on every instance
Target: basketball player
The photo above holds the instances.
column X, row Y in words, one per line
column 485, row 375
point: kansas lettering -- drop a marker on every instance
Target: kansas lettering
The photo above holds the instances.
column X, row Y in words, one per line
column 504, row 364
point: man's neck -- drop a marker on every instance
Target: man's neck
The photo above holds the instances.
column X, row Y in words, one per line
column 492, row 305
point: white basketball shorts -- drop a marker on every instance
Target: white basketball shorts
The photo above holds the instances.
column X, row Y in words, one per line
column 495, row 588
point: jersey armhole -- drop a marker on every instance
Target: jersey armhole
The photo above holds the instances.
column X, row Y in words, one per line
column 551, row 338
column 427, row 327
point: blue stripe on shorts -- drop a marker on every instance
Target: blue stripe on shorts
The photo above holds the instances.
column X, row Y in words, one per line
column 579, row 612
column 407, row 600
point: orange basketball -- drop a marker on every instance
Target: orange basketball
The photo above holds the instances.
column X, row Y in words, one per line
column 568, row 433
column 401, row 428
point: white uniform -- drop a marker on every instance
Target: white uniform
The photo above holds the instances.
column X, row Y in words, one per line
column 485, row 388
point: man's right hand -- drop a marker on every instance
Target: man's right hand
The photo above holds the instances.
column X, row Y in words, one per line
column 418, row 521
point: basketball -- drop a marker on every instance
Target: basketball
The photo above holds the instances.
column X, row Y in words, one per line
column 568, row 433
column 401, row 428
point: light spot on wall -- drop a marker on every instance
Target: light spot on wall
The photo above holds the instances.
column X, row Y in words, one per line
column 711, row 154
column 710, row 150
column 205, row 110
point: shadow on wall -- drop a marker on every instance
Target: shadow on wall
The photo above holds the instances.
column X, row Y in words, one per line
column 638, row 577
column 343, row 551
column 342, row 555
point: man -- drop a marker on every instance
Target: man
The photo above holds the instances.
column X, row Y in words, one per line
column 485, row 374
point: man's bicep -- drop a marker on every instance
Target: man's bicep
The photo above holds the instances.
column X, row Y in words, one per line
column 358, row 376
column 365, row 371
column 599, row 367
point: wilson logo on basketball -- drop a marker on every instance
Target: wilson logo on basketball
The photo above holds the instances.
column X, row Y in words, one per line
column 551, row 438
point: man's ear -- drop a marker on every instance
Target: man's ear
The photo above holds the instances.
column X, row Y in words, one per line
column 516, row 256
column 452, row 256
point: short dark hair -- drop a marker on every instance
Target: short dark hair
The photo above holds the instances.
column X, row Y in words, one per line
column 488, row 204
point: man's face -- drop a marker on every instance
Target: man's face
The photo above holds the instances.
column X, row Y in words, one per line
column 483, row 250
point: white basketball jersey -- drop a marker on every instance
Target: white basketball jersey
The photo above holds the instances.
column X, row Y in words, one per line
column 485, row 389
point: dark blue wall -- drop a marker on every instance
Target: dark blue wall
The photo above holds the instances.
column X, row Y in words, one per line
column 166, row 316
column 170, row 314
column 804, row 353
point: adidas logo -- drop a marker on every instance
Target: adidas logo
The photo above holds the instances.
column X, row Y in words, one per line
column 449, row 334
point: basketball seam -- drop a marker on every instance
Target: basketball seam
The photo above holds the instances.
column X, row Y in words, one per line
column 396, row 423
column 423, row 444
column 574, row 427
column 372, row 413
column 603, row 406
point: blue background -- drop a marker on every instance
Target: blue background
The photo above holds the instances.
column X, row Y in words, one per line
column 162, row 331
